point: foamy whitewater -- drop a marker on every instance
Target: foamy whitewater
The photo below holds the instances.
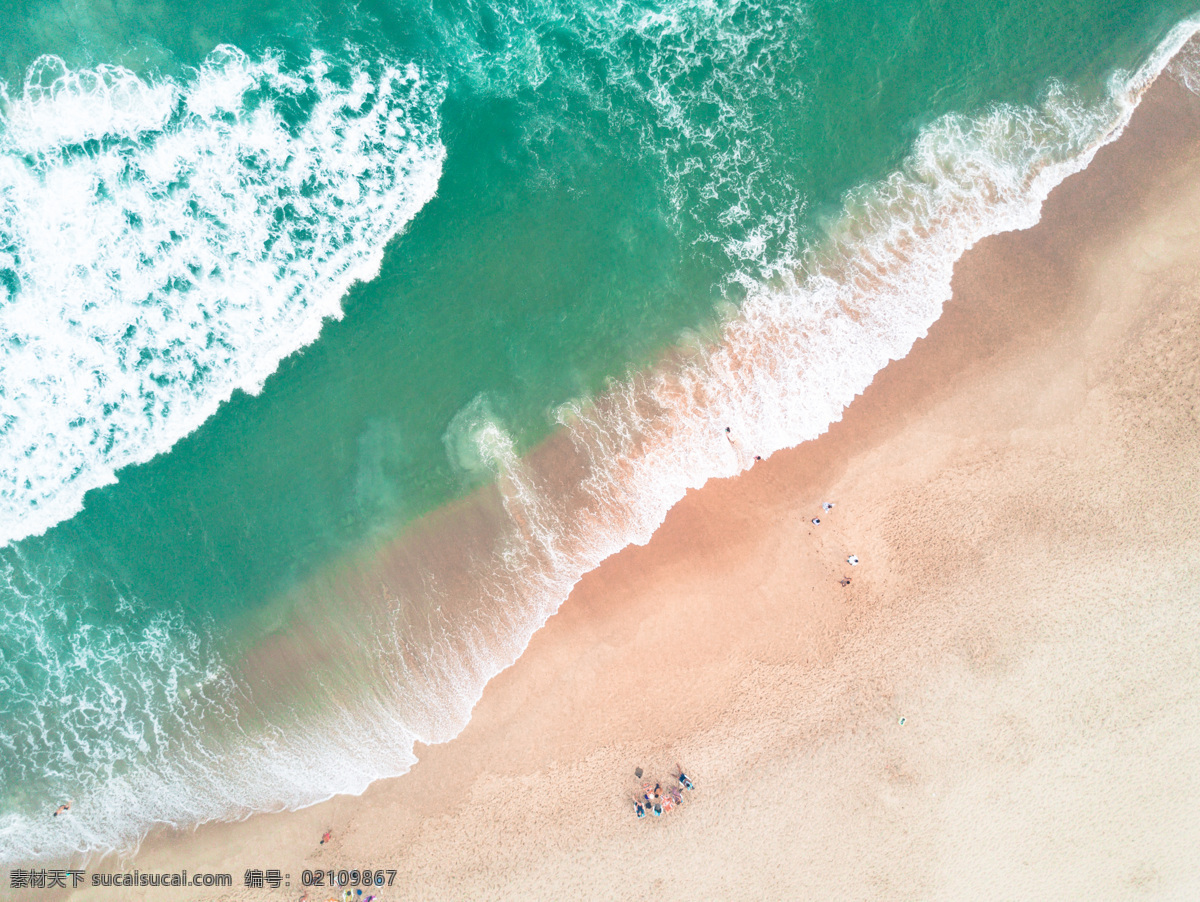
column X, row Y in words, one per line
column 807, row 339
column 163, row 243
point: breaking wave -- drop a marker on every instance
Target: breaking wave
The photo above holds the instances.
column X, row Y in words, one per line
column 164, row 242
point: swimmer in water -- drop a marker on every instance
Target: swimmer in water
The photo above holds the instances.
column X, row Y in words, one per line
column 62, row 808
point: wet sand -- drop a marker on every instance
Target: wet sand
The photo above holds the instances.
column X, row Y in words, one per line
column 1022, row 493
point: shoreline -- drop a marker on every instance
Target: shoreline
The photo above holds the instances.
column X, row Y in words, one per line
column 703, row 645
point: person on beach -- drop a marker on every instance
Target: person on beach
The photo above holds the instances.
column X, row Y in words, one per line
column 827, row 506
column 852, row 560
column 328, row 836
column 657, row 810
column 845, row 581
column 640, row 808
column 816, row 521
column 62, row 808
column 684, row 781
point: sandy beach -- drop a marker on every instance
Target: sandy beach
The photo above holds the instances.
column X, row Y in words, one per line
column 1004, row 702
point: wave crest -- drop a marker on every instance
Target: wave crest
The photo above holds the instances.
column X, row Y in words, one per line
column 163, row 243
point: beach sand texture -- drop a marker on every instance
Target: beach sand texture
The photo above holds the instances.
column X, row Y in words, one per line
column 1022, row 493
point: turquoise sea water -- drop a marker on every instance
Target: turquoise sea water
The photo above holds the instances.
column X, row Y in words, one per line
column 275, row 282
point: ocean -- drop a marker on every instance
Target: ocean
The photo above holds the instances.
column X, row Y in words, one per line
column 337, row 341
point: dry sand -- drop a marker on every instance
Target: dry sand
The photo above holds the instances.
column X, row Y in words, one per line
column 1022, row 492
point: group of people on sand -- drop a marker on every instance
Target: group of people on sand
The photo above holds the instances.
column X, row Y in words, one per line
column 656, row 800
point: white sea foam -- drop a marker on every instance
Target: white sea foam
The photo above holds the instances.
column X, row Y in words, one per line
column 165, row 242
column 1185, row 66
column 698, row 88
